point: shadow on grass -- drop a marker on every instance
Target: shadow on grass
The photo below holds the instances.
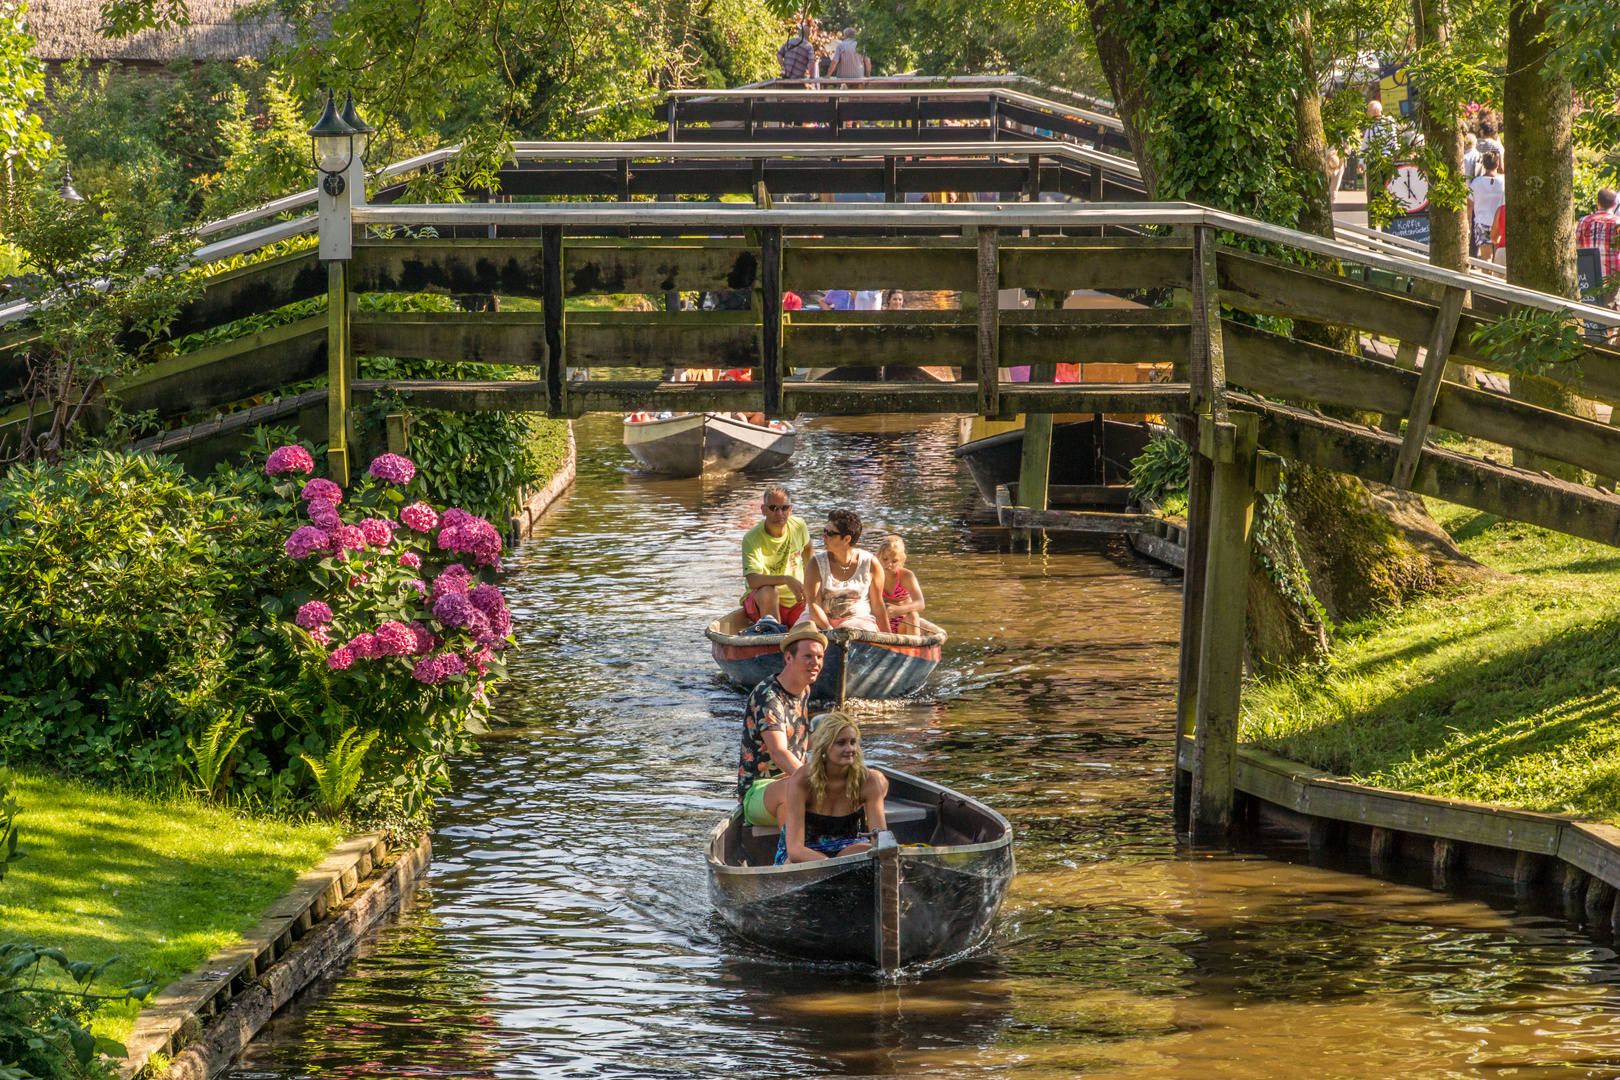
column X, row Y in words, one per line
column 1558, row 683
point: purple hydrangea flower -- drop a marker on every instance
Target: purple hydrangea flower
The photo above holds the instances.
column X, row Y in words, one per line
column 471, row 535
column 306, row 540
column 324, row 515
column 348, row 537
column 393, row 468
column 340, row 659
column 455, row 578
column 394, row 639
column 313, row 614
column 454, row 609
column 318, row 490
column 436, row 669
column 419, row 516
column 378, row 532
column 411, row 559
column 286, row 459
column 488, row 599
column 420, row 586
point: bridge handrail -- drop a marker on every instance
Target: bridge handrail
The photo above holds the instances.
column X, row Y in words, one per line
column 956, row 215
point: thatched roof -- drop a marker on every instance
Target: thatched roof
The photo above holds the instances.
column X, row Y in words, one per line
column 66, row 30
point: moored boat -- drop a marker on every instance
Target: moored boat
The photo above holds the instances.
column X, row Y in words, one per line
column 1091, row 457
column 929, row 889
column 694, row 443
column 866, row 665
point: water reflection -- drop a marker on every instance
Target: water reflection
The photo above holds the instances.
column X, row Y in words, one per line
column 566, row 930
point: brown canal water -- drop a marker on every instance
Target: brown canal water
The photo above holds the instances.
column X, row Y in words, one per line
column 565, row 929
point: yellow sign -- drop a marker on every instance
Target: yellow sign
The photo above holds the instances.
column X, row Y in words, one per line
column 1394, row 92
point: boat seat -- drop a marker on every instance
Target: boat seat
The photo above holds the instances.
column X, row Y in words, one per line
column 893, row 812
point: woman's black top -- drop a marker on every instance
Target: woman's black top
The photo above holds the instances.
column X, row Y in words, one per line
column 826, row 827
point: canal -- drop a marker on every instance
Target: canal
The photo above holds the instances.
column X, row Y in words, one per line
column 565, row 930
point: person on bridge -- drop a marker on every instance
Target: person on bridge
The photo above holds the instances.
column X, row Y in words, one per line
column 797, row 55
column 1601, row 230
column 775, row 553
column 844, row 584
column 776, row 727
column 832, row 798
column 847, row 61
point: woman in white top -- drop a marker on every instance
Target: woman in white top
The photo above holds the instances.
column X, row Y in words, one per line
column 1485, row 196
column 843, row 583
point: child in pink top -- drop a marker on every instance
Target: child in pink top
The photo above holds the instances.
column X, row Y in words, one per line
column 903, row 597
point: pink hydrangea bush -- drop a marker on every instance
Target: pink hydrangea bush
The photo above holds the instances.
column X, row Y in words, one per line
column 401, row 616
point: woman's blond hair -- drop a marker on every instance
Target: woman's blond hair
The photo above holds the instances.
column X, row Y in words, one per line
column 893, row 543
column 821, row 740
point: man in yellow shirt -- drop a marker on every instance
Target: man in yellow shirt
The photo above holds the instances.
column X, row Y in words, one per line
column 775, row 553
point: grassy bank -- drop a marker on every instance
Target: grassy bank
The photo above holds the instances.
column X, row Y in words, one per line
column 1506, row 692
column 162, row 884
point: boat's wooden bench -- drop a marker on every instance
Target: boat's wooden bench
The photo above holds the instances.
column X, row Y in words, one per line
column 894, row 812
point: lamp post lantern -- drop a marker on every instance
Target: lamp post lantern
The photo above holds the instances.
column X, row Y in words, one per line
column 362, row 130
column 333, row 147
column 67, row 192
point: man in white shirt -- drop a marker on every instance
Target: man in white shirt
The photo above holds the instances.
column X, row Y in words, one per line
column 847, row 62
column 869, row 300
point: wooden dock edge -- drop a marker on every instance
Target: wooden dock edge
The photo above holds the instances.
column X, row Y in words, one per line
column 535, row 504
column 1552, row 853
column 204, row 1019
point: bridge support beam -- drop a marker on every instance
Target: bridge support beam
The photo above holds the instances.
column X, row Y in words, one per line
column 1221, row 637
column 1193, row 581
column 340, row 371
column 1035, row 466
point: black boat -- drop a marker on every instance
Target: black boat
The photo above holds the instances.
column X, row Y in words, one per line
column 929, row 890
column 1080, row 458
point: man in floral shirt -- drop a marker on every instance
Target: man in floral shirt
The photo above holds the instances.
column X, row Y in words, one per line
column 1601, row 230
column 776, row 726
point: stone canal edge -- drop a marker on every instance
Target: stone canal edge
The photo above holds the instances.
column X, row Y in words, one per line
column 1556, row 857
column 203, row 1019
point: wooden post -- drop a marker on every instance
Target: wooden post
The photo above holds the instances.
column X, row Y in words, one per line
column 1208, row 354
column 1220, row 662
column 338, row 371
column 1446, row 865
column 770, row 315
column 887, row 898
column 398, row 426
column 1193, row 584
column 1599, row 904
column 1381, row 850
column 1428, row 387
column 551, row 259
column 989, row 322
column 1034, row 469
column 843, row 671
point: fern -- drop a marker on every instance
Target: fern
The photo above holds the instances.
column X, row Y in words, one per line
column 211, row 753
column 338, row 776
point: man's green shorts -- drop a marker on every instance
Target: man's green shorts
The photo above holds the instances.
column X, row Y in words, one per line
column 753, row 804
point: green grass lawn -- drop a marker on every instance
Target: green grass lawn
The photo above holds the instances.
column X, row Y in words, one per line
column 1506, row 692
column 161, row 884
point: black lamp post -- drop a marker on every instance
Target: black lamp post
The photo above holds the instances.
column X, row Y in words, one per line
column 333, row 142
column 67, row 192
column 362, row 130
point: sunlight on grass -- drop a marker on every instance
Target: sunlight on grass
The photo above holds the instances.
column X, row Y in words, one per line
column 161, row 884
column 1506, row 692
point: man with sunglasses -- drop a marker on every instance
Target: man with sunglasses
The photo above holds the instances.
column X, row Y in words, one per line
column 774, row 556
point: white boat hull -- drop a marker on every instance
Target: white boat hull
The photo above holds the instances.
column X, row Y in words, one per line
column 697, row 443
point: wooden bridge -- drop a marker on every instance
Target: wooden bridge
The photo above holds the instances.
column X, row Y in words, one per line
column 1247, row 393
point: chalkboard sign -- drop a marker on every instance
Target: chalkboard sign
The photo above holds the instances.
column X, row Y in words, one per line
column 1589, row 272
column 1410, row 227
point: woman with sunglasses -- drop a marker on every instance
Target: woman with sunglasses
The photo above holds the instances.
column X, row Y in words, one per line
column 843, row 583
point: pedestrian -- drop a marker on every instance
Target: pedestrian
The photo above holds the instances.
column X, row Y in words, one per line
column 1490, row 125
column 1471, row 154
column 1379, row 145
column 1601, row 230
column 847, row 61
column 797, row 55
column 896, row 301
column 868, row 300
column 1486, row 195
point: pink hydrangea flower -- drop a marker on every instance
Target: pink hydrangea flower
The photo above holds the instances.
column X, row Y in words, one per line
column 436, row 669
column 319, row 635
column 378, row 532
column 455, row 517
column 488, row 599
column 411, row 559
column 318, row 490
column 393, row 468
column 324, row 515
column 313, row 614
column 306, row 540
column 286, row 459
column 426, row 640
column 478, row 661
column 454, row 609
column 364, row 647
column 420, row 586
column 340, row 659
column 394, row 639
column 455, row 578
column 419, row 516
column 348, row 537
column 470, row 536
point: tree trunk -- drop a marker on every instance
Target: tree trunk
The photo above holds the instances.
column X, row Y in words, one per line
column 1129, row 98
column 1443, row 136
column 1539, row 183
